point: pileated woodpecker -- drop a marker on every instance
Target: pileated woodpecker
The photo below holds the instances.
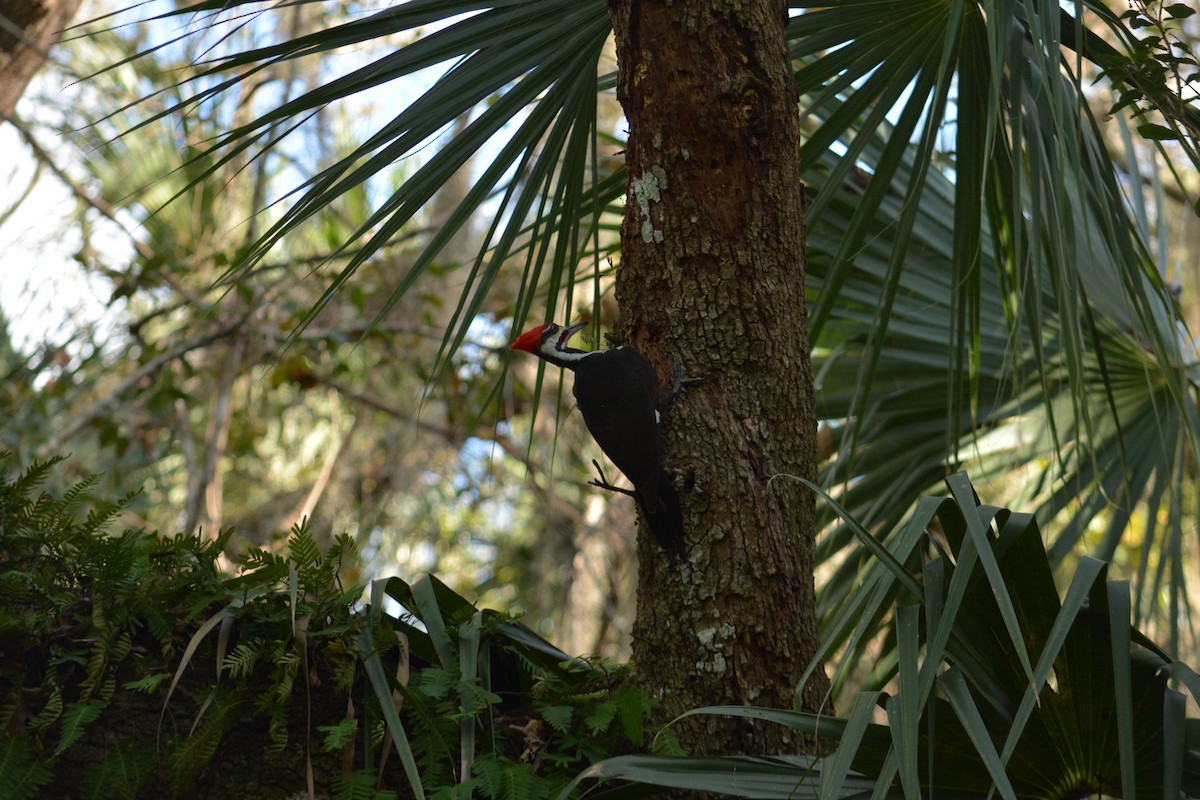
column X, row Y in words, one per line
column 617, row 391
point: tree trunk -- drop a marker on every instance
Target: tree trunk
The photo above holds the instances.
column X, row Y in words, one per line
column 27, row 29
column 712, row 274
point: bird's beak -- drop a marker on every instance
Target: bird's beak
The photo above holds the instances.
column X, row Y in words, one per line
column 568, row 332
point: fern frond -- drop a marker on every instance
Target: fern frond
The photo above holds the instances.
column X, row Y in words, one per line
column 158, row 624
column 258, row 558
column 148, row 683
column 558, row 717
column 98, row 518
column 51, row 711
column 598, row 719
column 361, row 786
column 120, row 648
column 437, row 682
column 17, row 586
column 344, row 549
column 289, row 662
column 240, row 662
column 505, row 780
column 196, row 751
column 97, row 659
column 117, row 776
column 71, row 498
column 339, row 735
column 278, row 730
column 474, row 697
column 211, row 550
column 32, row 479
column 633, row 710
column 76, row 718
column 21, row 774
column 302, row 548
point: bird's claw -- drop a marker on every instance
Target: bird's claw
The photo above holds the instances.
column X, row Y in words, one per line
column 604, row 484
column 682, row 381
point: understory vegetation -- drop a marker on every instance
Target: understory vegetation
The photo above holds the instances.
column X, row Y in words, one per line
column 135, row 665
column 144, row 648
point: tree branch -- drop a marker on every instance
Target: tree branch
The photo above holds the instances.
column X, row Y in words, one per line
column 218, row 433
column 309, row 504
column 99, row 205
column 105, row 210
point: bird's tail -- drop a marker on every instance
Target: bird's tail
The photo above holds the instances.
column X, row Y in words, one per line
column 666, row 519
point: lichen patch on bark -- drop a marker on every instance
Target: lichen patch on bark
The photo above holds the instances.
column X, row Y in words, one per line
column 645, row 191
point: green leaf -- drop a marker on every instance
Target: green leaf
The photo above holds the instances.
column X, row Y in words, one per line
column 772, row 778
column 1095, row 713
column 501, row 779
column 1118, row 619
column 302, row 547
column 147, row 683
column 337, row 736
column 632, row 709
column 600, row 717
column 955, row 687
column 21, row 774
column 557, row 717
column 428, row 608
column 118, row 776
column 381, row 684
column 1157, row 133
column 74, row 719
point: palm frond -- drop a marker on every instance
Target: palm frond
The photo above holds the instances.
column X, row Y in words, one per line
column 524, row 75
column 1086, row 435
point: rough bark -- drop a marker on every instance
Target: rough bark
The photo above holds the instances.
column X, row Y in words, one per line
column 27, row 29
column 712, row 274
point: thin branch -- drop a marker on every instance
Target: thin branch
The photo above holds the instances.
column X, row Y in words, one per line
column 135, row 327
column 191, row 462
column 12, row 209
column 309, row 505
column 103, row 208
column 374, row 402
column 218, row 433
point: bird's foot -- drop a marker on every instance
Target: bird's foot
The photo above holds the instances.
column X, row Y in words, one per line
column 604, row 484
column 682, row 381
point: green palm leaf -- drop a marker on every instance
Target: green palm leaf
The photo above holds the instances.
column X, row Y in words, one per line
column 525, row 73
column 1026, row 422
column 965, row 719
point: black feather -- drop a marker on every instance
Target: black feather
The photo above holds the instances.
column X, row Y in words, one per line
column 617, row 393
column 666, row 521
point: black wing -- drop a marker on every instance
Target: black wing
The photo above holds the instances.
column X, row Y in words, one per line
column 616, row 391
column 666, row 520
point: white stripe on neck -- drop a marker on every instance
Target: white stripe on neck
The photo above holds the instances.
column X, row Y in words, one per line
column 565, row 356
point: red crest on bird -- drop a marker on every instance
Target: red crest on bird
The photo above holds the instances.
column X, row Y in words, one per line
column 530, row 340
